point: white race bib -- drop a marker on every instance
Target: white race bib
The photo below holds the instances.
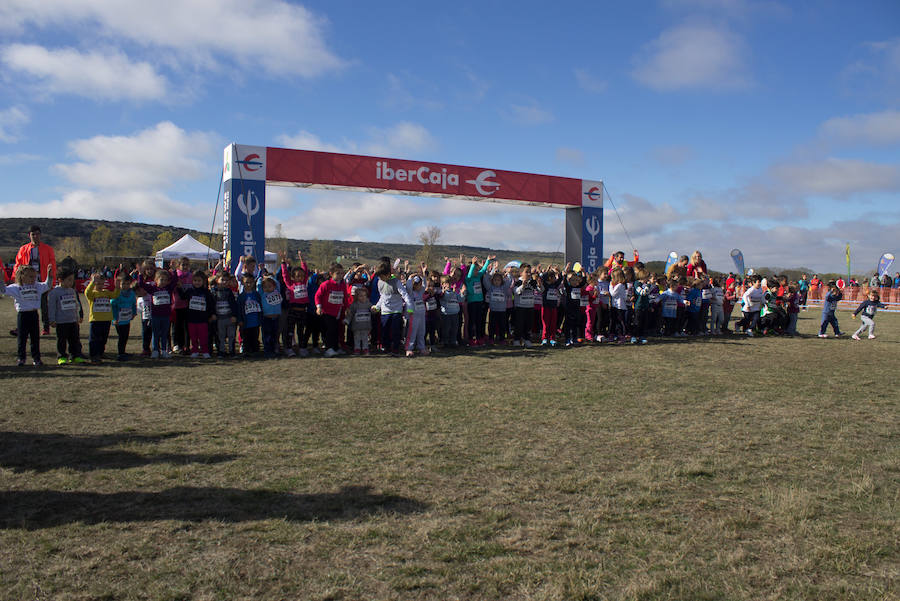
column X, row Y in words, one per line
column 68, row 303
column 273, row 298
column 125, row 314
column 419, row 304
column 336, row 297
column 576, row 294
column 300, row 292
column 583, row 301
column 431, row 304
column 707, row 294
column 497, row 296
column 223, row 308
column 451, row 305
column 526, row 299
column 553, row 294
column 198, row 303
column 102, row 305
column 251, row 306
column 162, row 297
column 145, row 309
column 476, row 287
column 363, row 317
column 29, row 294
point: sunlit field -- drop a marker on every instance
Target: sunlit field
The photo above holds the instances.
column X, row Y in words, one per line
column 710, row 468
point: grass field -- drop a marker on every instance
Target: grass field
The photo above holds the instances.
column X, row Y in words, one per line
column 708, row 469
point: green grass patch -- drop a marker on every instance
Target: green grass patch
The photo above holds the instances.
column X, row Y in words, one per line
column 726, row 468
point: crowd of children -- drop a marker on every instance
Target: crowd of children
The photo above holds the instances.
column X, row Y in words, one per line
column 395, row 309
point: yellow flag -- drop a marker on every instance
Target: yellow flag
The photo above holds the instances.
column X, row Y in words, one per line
column 847, row 252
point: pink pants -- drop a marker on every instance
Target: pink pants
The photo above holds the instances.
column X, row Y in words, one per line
column 591, row 323
column 199, row 334
column 548, row 319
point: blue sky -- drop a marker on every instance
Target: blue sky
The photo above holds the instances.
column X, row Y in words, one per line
column 773, row 127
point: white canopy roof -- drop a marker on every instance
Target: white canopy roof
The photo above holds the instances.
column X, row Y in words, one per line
column 188, row 246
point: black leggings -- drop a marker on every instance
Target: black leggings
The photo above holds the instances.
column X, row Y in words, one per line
column 67, row 336
column 123, row 330
column 28, row 325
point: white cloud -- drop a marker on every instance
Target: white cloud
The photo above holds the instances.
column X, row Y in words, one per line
column 693, row 57
column 128, row 177
column 17, row 158
column 838, row 178
column 872, row 128
column 400, row 137
column 304, row 140
column 150, row 159
column 590, row 82
column 530, row 114
column 395, row 139
column 11, row 122
column 274, row 36
column 875, row 73
column 101, row 75
column 121, row 205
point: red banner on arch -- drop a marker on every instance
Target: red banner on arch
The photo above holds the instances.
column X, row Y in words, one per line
column 309, row 168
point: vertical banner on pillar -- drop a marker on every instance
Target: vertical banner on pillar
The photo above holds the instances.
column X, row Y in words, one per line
column 592, row 224
column 244, row 175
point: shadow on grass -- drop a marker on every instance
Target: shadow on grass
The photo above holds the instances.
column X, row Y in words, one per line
column 27, row 451
column 35, row 509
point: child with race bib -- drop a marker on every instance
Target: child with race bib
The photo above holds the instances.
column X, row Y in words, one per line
column 101, row 316
column 200, row 312
column 124, row 309
column 65, row 315
column 295, row 280
column 249, row 319
column 868, row 308
column 549, row 305
column 331, row 298
column 160, row 289
column 359, row 318
column 26, row 293
column 451, row 309
column 525, row 289
column 413, row 293
column 475, row 300
column 271, row 314
column 226, row 314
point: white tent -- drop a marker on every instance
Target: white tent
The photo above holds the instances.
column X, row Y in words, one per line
column 187, row 246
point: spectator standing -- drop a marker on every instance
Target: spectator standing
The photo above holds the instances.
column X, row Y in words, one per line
column 40, row 257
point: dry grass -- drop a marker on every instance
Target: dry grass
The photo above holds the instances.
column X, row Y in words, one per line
column 711, row 469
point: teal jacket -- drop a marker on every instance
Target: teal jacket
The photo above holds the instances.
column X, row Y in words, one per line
column 474, row 287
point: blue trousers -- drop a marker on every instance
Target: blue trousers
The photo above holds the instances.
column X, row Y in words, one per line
column 159, row 324
column 391, row 332
column 830, row 318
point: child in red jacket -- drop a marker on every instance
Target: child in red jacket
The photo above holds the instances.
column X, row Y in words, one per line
column 332, row 297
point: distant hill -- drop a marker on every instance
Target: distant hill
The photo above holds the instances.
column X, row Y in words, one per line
column 61, row 232
column 73, row 237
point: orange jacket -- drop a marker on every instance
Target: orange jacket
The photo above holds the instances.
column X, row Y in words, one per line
column 45, row 255
column 611, row 261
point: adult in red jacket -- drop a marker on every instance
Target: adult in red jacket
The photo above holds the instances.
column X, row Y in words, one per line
column 40, row 256
column 697, row 266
